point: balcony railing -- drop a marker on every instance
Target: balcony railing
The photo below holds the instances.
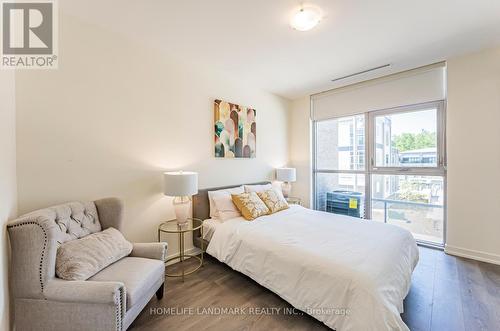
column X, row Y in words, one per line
column 402, row 202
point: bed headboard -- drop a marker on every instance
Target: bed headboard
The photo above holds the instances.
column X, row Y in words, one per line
column 201, row 208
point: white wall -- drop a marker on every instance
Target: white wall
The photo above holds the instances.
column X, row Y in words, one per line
column 8, row 196
column 473, row 142
column 473, row 119
column 300, row 151
column 116, row 114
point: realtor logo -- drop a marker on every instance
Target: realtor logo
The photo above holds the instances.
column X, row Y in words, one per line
column 29, row 37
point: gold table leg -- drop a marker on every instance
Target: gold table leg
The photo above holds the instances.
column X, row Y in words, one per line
column 182, row 255
column 201, row 244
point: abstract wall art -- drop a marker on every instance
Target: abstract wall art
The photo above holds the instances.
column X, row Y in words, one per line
column 235, row 130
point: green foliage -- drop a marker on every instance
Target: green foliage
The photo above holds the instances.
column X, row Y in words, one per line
column 410, row 141
column 412, row 196
column 411, row 192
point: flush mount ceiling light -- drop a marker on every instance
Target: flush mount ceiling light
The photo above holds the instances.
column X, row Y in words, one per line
column 306, row 18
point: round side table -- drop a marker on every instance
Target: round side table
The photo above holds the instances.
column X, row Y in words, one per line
column 171, row 226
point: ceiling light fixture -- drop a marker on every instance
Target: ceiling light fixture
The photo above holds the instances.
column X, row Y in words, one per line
column 306, row 18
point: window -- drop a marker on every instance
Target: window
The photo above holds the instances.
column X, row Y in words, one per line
column 341, row 193
column 395, row 158
column 415, row 203
column 410, row 138
column 336, row 144
column 340, row 182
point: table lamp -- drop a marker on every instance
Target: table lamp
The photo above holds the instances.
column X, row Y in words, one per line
column 181, row 185
column 286, row 175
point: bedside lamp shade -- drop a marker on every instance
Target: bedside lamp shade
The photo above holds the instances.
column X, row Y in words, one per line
column 180, row 183
column 286, row 175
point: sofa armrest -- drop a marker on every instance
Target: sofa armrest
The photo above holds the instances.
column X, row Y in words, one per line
column 86, row 305
column 156, row 251
column 86, row 292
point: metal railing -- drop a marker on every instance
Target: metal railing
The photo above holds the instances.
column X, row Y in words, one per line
column 402, row 202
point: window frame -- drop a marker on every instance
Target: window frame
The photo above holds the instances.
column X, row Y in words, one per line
column 347, row 171
column 369, row 154
column 439, row 169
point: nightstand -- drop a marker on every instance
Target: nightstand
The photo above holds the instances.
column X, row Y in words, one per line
column 294, row 201
column 171, row 226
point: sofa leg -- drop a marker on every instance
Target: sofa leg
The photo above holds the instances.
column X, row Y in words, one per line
column 159, row 293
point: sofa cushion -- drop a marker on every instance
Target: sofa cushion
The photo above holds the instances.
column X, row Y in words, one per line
column 82, row 258
column 138, row 274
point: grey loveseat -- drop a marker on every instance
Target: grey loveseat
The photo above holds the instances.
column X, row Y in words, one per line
column 110, row 300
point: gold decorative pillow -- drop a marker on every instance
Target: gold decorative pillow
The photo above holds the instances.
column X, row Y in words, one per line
column 274, row 200
column 250, row 205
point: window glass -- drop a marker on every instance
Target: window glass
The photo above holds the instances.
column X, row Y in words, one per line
column 340, row 144
column 341, row 194
column 412, row 202
column 406, row 139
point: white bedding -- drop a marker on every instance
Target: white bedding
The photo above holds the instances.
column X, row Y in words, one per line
column 325, row 264
column 209, row 227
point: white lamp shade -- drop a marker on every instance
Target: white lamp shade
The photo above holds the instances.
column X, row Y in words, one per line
column 180, row 183
column 286, row 174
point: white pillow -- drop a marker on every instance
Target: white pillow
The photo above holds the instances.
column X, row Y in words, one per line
column 224, row 192
column 258, row 188
column 279, row 192
column 226, row 208
column 82, row 258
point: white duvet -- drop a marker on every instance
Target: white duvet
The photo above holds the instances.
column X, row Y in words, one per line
column 348, row 273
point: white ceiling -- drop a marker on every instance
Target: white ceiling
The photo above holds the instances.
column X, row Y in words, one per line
column 252, row 38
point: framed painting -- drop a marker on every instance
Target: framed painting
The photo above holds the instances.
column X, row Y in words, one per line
column 235, row 130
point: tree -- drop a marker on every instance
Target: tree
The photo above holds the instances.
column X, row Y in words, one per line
column 410, row 141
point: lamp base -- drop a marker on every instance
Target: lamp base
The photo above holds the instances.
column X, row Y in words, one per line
column 286, row 187
column 181, row 207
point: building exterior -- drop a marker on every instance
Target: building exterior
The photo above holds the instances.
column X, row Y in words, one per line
column 425, row 157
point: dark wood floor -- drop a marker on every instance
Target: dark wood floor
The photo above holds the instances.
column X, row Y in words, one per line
column 447, row 294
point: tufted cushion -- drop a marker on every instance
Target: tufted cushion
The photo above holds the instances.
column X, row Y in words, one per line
column 69, row 221
column 76, row 220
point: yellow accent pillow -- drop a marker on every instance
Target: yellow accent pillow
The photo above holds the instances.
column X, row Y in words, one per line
column 250, row 205
column 274, row 200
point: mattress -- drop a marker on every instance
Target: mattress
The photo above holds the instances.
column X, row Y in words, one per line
column 351, row 274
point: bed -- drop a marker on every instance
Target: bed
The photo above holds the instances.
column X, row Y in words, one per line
column 348, row 273
column 209, row 226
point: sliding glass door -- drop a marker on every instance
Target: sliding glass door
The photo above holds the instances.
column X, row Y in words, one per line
column 387, row 166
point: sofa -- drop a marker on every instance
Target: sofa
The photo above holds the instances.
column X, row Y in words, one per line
column 109, row 300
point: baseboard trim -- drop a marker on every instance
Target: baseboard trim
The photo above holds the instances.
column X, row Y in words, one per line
column 193, row 250
column 472, row 254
